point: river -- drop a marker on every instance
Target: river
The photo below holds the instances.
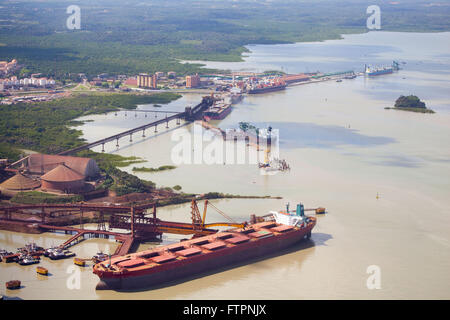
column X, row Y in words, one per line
column 383, row 176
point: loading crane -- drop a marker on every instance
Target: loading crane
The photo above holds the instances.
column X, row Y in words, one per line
column 198, row 221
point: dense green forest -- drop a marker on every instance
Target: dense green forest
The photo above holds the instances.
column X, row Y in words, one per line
column 145, row 36
column 44, row 126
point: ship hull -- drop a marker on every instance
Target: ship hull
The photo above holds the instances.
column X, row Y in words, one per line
column 218, row 116
column 265, row 90
column 380, row 72
column 203, row 263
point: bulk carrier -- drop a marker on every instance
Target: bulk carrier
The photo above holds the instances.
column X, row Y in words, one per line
column 274, row 85
column 217, row 111
column 161, row 265
column 376, row 71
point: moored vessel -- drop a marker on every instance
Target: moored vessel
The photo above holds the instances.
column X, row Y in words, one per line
column 190, row 257
column 267, row 87
column 13, row 284
column 217, row 111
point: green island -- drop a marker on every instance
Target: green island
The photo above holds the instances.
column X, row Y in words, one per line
column 410, row 103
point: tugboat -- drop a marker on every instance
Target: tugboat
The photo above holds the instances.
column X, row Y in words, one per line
column 27, row 260
column 79, row 262
column 56, row 254
column 99, row 257
column 11, row 257
column 32, row 249
column 48, row 251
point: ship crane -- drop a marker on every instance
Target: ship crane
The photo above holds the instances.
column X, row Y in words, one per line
column 198, row 221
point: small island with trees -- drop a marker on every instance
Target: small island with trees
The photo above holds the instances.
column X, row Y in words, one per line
column 410, row 103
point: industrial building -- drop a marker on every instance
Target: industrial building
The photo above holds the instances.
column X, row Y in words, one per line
column 63, row 179
column 43, row 163
column 18, row 183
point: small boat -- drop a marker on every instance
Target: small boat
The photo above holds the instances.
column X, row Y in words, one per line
column 339, row 80
column 56, row 254
column 79, row 262
column 48, row 251
column 320, row 210
column 13, row 284
column 11, row 258
column 4, row 253
column 99, row 257
column 41, row 270
column 31, row 248
column 27, row 260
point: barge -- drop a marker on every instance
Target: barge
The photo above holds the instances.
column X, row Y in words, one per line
column 191, row 257
column 217, row 111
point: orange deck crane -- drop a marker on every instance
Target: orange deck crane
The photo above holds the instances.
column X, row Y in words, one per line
column 198, row 222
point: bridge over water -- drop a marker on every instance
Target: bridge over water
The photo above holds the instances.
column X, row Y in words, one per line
column 189, row 115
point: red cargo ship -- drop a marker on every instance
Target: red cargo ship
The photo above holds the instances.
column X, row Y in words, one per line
column 190, row 257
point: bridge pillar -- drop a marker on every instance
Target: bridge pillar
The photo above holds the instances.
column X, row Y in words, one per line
column 156, row 115
column 135, row 114
column 117, row 142
column 103, row 147
column 167, row 122
column 156, row 130
column 178, row 121
column 143, row 133
column 131, row 137
column 125, row 113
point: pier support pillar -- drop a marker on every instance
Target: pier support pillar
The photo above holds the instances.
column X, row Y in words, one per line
column 156, row 130
column 103, row 147
column 117, row 143
column 131, row 138
column 143, row 133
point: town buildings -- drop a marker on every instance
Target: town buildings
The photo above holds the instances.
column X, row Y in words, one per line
column 145, row 80
column 193, row 81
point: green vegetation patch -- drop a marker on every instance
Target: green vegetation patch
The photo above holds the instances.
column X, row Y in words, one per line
column 36, row 197
column 44, row 126
column 161, row 168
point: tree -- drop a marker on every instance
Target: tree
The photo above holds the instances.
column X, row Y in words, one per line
column 410, row 101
